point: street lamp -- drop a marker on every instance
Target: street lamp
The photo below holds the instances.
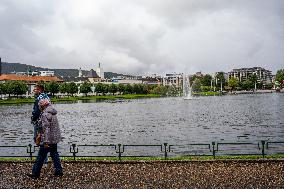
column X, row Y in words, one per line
column 221, row 86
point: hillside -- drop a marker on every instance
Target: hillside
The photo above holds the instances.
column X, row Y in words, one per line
column 18, row 67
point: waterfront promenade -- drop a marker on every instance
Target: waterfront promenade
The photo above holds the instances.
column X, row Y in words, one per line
column 153, row 174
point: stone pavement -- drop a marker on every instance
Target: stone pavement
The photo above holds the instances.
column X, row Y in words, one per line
column 153, row 174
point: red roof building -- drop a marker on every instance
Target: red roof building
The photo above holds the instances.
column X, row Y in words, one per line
column 28, row 79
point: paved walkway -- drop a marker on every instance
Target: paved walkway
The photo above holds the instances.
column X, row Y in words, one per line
column 170, row 174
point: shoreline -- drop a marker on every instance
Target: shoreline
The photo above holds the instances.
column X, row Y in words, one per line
column 78, row 98
column 124, row 97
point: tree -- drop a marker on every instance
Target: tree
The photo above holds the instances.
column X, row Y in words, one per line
column 192, row 79
column 63, row 88
column 146, row 89
column 99, row 88
column 172, row 90
column 18, row 88
column 52, row 87
column 112, row 88
column 9, row 88
column 2, row 89
column 120, row 88
column 135, row 89
column 253, row 79
column 138, row 88
column 105, row 89
column 269, row 86
column 246, row 85
column 233, row 83
column 280, row 76
column 161, row 90
column 220, row 78
column 85, row 88
column 196, row 85
column 128, row 89
column 206, row 80
column 72, row 88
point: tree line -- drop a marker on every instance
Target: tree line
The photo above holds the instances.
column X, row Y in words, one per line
column 17, row 88
column 198, row 83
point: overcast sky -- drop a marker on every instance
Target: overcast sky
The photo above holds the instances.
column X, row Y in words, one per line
column 144, row 36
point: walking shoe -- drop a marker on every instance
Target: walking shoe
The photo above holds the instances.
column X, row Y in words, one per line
column 33, row 176
column 58, row 174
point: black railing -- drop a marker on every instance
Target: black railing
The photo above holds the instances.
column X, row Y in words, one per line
column 165, row 151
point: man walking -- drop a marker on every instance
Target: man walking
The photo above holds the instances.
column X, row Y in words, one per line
column 39, row 94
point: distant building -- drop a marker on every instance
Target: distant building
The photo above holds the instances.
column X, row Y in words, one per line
column 100, row 72
column 30, row 80
column 80, row 73
column 199, row 74
column 173, row 79
column 93, row 76
column 152, row 80
column 263, row 76
column 46, row 73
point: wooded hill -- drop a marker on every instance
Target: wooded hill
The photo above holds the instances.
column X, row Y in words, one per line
column 18, row 67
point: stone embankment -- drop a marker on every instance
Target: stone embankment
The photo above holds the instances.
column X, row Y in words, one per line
column 168, row 174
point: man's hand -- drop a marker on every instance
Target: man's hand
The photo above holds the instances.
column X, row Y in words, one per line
column 46, row 145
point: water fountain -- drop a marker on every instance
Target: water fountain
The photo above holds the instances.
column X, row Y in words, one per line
column 186, row 88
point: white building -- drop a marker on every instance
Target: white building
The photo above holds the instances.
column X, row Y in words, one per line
column 46, row 73
column 80, row 73
column 263, row 75
column 173, row 79
column 100, row 72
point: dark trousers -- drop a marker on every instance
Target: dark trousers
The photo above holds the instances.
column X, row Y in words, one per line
column 42, row 154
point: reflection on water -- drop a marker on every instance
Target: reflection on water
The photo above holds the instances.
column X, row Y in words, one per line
column 238, row 118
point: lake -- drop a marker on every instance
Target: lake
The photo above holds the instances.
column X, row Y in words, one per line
column 230, row 118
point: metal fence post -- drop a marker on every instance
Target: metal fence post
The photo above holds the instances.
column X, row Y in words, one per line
column 29, row 150
column 262, row 148
column 73, row 150
column 119, row 152
column 166, row 153
column 213, row 148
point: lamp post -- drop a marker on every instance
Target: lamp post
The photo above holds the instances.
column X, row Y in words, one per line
column 221, row 86
column 255, row 86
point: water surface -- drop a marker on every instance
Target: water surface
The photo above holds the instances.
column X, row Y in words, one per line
column 238, row 118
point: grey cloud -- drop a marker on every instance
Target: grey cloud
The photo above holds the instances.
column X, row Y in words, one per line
column 140, row 37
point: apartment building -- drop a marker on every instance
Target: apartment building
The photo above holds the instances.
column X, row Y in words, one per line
column 263, row 76
column 173, row 79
